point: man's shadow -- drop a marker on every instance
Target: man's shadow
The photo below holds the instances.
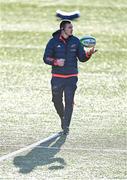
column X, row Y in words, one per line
column 41, row 155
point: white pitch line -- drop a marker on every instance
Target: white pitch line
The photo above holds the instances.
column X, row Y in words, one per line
column 112, row 150
column 7, row 156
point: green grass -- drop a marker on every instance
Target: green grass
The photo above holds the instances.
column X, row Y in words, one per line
column 26, row 112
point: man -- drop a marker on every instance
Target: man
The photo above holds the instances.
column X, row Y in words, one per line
column 62, row 53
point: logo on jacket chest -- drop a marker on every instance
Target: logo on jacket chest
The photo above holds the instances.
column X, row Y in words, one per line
column 58, row 46
column 73, row 48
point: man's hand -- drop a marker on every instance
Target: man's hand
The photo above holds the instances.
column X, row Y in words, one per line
column 59, row 62
column 90, row 52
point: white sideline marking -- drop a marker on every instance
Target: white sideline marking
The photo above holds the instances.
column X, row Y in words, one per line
column 7, row 156
column 112, row 150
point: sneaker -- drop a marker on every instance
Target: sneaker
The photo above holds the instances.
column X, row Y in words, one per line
column 66, row 131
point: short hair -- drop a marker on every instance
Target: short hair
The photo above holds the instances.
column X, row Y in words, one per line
column 63, row 23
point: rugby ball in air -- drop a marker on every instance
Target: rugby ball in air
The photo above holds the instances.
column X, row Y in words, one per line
column 88, row 41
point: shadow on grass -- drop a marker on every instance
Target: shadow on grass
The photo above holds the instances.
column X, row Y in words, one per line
column 42, row 155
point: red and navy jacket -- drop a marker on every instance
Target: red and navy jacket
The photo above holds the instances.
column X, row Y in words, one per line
column 70, row 49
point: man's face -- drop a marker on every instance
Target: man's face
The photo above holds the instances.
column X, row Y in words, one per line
column 68, row 29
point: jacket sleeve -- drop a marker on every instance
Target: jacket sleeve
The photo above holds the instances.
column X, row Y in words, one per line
column 82, row 54
column 48, row 54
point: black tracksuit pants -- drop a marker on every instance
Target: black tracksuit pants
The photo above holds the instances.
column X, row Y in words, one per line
column 66, row 86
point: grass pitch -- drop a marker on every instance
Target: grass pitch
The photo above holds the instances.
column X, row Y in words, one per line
column 96, row 146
